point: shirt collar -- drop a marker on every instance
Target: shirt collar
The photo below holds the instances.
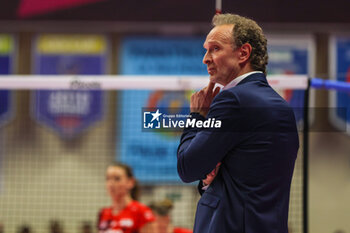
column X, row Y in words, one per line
column 235, row 81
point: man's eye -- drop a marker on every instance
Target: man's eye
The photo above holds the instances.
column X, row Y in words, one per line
column 216, row 48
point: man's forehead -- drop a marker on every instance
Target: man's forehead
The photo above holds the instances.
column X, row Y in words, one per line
column 223, row 27
column 222, row 33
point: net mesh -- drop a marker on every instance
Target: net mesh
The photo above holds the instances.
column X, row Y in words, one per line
column 50, row 177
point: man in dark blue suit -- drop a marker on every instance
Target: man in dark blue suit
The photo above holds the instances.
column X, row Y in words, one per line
column 246, row 165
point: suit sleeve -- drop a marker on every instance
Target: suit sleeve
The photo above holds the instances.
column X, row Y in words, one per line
column 201, row 149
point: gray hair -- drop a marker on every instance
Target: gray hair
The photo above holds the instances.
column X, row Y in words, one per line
column 246, row 31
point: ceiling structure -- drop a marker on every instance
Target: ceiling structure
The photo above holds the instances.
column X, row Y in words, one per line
column 268, row 11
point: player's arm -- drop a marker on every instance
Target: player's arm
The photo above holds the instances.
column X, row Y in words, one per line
column 146, row 220
column 149, row 228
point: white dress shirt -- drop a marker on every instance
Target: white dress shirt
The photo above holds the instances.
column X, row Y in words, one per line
column 235, row 81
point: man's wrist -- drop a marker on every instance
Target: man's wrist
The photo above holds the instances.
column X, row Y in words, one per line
column 203, row 112
column 205, row 186
column 197, row 115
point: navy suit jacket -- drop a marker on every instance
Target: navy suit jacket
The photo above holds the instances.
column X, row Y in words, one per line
column 257, row 145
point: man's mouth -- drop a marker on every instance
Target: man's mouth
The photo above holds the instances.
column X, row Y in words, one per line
column 211, row 71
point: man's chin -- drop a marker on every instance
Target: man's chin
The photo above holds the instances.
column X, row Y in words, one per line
column 214, row 79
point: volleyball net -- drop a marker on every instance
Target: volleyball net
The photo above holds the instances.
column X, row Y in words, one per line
column 63, row 131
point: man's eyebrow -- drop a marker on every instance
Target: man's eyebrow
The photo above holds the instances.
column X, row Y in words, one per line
column 213, row 42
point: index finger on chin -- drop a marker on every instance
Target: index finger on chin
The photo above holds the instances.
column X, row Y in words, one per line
column 210, row 86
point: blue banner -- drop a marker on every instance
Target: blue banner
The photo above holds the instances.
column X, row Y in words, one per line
column 69, row 112
column 153, row 154
column 6, row 67
column 291, row 55
column 340, row 71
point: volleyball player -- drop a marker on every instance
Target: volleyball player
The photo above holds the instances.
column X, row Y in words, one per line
column 126, row 214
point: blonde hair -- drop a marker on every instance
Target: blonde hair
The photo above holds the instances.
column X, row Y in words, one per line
column 246, row 30
column 163, row 207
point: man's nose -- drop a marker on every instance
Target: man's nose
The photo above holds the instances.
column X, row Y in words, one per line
column 206, row 58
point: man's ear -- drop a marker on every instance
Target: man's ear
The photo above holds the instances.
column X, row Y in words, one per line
column 245, row 51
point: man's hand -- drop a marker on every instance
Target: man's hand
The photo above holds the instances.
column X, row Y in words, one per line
column 212, row 175
column 201, row 100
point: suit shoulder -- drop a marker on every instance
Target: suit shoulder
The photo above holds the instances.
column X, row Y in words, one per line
column 226, row 95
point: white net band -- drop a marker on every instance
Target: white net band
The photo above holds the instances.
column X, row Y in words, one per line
column 130, row 82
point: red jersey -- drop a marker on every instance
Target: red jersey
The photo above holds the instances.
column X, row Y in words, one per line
column 182, row 230
column 128, row 220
